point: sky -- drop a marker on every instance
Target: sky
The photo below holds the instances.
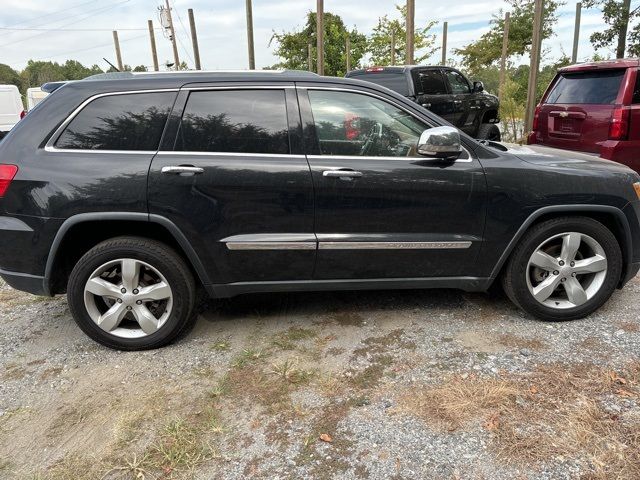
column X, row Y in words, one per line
column 82, row 29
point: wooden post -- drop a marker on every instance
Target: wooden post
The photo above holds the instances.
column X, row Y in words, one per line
column 505, row 49
column 393, row 47
column 410, row 26
column 172, row 31
column 445, row 25
column 310, row 57
column 250, row 44
column 576, row 33
column 622, row 34
column 118, row 54
column 194, row 40
column 320, row 36
column 348, row 47
column 534, row 64
column 154, row 51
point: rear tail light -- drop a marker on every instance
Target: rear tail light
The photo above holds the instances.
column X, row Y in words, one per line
column 619, row 126
column 536, row 116
column 7, row 172
column 22, row 114
column 374, row 69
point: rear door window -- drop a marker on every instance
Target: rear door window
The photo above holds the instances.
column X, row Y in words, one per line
column 132, row 121
column 595, row 87
column 235, row 121
column 431, row 82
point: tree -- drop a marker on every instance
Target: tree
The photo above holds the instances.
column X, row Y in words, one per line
column 74, row 70
column 616, row 15
column 488, row 48
column 8, row 76
column 380, row 40
column 293, row 47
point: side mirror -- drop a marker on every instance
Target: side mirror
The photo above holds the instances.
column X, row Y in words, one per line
column 478, row 87
column 440, row 142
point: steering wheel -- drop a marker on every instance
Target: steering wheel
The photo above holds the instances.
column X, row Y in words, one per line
column 373, row 138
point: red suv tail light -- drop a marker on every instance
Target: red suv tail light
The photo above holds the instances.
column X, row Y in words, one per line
column 619, row 126
column 7, row 172
column 536, row 116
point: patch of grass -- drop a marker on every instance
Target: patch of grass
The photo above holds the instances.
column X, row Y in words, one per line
column 558, row 411
column 287, row 340
column 289, row 371
column 221, row 345
column 247, row 357
column 372, row 374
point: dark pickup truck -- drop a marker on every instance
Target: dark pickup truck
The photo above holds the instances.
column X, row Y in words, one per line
column 443, row 90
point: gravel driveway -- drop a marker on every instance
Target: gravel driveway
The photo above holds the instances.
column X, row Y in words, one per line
column 389, row 384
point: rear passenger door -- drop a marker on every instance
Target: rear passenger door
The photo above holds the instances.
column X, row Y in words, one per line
column 232, row 177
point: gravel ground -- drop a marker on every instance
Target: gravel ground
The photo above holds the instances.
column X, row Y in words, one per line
column 432, row 384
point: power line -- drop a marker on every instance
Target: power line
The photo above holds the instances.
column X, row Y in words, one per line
column 52, row 13
column 74, row 29
column 69, row 23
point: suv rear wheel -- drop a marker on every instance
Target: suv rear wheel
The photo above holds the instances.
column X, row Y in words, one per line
column 132, row 293
column 564, row 269
column 489, row 131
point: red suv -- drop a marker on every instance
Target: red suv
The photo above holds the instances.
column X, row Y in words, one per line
column 595, row 108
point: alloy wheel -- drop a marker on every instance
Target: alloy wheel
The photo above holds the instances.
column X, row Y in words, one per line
column 566, row 270
column 128, row 298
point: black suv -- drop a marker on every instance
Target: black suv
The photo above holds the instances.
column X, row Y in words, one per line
column 445, row 91
column 131, row 194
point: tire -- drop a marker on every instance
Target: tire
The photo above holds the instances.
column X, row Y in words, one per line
column 161, row 274
column 489, row 131
column 523, row 278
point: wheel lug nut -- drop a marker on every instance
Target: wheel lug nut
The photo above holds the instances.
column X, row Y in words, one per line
column 561, row 263
column 139, row 302
column 135, row 291
column 573, row 264
column 119, row 300
column 556, row 272
column 573, row 274
column 563, row 280
column 129, row 308
column 123, row 290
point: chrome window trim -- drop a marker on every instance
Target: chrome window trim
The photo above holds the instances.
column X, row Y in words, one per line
column 50, row 145
column 394, row 245
column 379, row 97
column 240, row 87
column 231, row 154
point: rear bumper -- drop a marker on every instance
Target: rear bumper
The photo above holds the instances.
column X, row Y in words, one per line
column 25, row 282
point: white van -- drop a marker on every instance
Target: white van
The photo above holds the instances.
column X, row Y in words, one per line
column 11, row 108
column 34, row 96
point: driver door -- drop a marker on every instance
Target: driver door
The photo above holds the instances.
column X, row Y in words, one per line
column 381, row 211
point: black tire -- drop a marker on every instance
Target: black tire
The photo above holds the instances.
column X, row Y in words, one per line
column 489, row 131
column 514, row 280
column 160, row 257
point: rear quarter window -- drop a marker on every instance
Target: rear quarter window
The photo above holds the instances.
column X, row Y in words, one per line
column 596, row 87
column 132, row 121
column 394, row 81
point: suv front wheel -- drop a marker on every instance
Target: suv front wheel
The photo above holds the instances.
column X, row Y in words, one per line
column 132, row 293
column 564, row 268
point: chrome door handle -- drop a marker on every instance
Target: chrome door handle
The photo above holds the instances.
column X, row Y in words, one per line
column 179, row 169
column 341, row 174
column 457, row 102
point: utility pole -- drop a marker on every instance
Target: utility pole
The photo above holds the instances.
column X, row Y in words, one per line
column 410, row 26
column 393, row 47
column 348, row 49
column 310, row 57
column 445, row 26
column 154, row 51
column 172, row 35
column 576, row 33
column 118, row 54
column 505, row 49
column 252, row 53
column 194, row 40
column 534, row 65
column 622, row 35
column 320, row 36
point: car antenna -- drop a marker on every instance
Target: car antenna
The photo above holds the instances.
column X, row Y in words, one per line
column 112, row 65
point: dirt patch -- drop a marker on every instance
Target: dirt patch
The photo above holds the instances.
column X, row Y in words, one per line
column 477, row 341
column 514, row 341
